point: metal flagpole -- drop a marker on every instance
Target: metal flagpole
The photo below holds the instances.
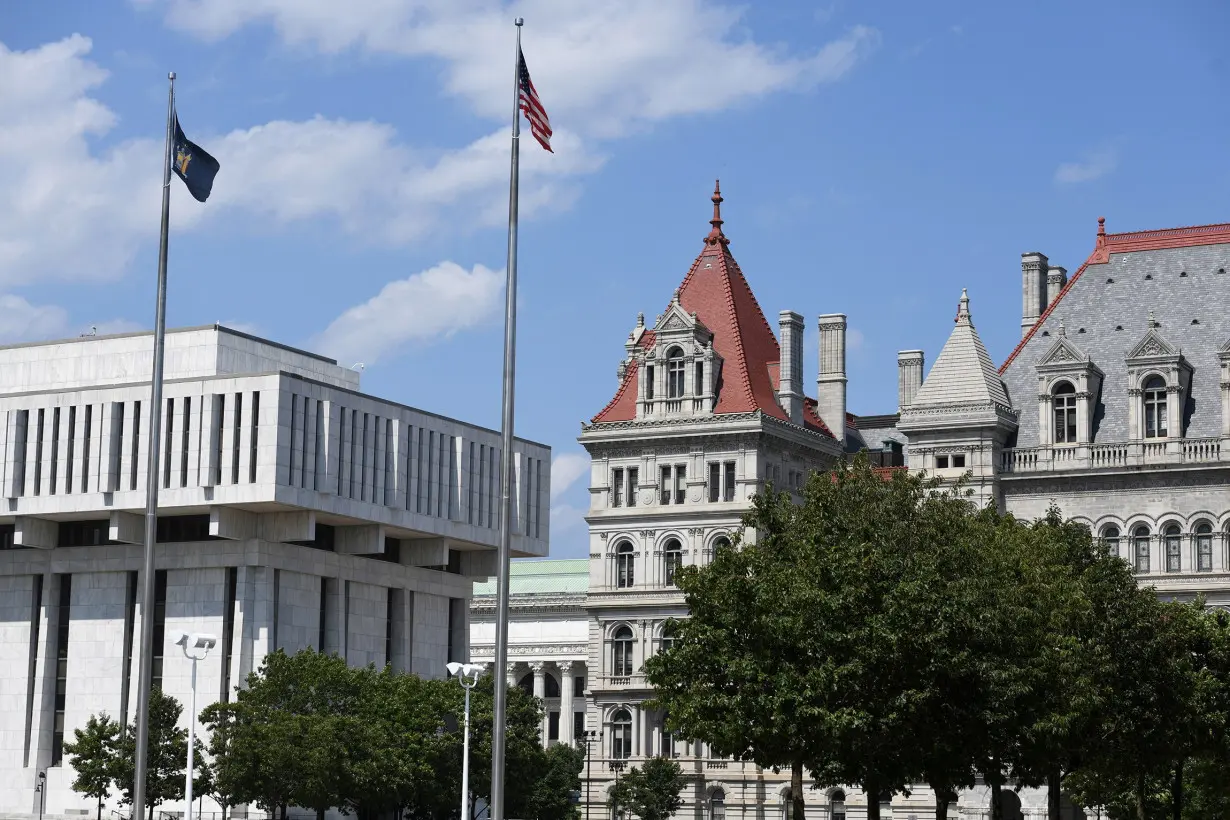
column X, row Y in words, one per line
column 151, row 479
column 506, row 450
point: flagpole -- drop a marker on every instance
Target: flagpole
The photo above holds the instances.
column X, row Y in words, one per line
column 151, row 479
column 506, row 449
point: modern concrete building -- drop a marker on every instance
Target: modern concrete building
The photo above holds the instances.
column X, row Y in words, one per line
column 548, row 634
column 295, row 511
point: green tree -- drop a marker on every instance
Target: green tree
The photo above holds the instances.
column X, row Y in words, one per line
column 651, row 792
column 551, row 798
column 166, row 754
column 92, row 754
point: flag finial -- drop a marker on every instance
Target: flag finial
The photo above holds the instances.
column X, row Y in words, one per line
column 1101, row 226
column 715, row 234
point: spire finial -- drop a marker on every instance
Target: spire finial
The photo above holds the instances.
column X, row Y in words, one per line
column 640, row 320
column 1152, row 321
column 963, row 308
column 1062, row 330
column 1101, row 226
column 715, row 233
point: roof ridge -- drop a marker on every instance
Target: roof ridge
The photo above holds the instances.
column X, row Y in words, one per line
column 746, row 375
column 1182, row 230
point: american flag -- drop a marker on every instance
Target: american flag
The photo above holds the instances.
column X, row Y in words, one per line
column 540, row 124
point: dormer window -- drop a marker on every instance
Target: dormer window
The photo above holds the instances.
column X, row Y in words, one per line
column 1155, row 408
column 674, row 373
column 1064, row 403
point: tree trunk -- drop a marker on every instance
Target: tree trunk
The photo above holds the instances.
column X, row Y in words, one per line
column 1140, row 797
column 997, row 806
column 872, row 790
column 941, row 804
column 1054, row 787
column 1176, row 791
column 283, row 811
column 100, row 807
column 796, row 789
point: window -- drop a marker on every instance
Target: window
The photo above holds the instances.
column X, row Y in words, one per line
column 578, row 726
column 1174, row 541
column 526, row 684
column 664, row 488
column 61, row 693
column 621, row 735
column 673, row 559
column 633, row 476
column 578, row 688
column 1140, row 542
column 958, row 460
column 728, row 489
column 649, row 382
column 668, row 740
column 1064, row 403
column 1110, row 538
column 668, row 635
column 720, row 543
column 551, row 686
column 621, row 652
column 1155, row 408
column 1204, row 547
column 553, row 726
column 681, row 475
column 674, row 373
column 717, row 805
column 941, row 462
column 617, row 487
column 837, row 805
column 698, row 386
column 715, row 481
column 624, row 570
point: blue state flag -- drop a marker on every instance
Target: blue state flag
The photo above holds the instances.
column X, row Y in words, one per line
column 193, row 165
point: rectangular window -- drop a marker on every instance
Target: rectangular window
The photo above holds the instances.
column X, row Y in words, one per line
column 228, row 631
column 183, row 450
column 681, row 476
column 728, row 488
column 55, row 447
column 303, row 453
column 294, row 411
column 128, row 650
column 256, row 417
column 422, row 490
column 649, row 382
column 136, row 444
column 433, row 463
column 341, row 451
column 1173, row 553
column 354, row 445
column 61, row 696
column 72, row 442
column 36, row 620
column 21, row 445
column 538, row 498
column 664, row 487
column 698, row 385
column 87, row 433
column 715, row 481
column 318, row 454
column 452, row 477
column 528, row 492
column 217, row 425
column 472, row 507
column 388, row 463
column 617, row 487
column 482, row 483
column 553, row 726
column 633, row 479
column 493, row 475
column 169, row 440
column 389, row 604
column 941, row 462
column 236, row 427
column 578, row 687
column 1204, row 552
column 578, row 725
column 38, row 455
column 958, row 460
column 160, row 626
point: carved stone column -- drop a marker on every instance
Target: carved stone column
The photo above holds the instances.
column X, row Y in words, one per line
column 540, row 693
column 565, row 702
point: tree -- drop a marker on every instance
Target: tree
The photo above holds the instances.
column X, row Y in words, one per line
column 650, row 792
column 551, row 798
column 166, row 754
column 92, row 754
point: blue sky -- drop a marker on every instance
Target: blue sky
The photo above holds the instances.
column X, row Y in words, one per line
column 875, row 158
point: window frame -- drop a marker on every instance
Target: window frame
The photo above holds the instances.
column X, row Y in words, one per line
column 617, row 487
column 1063, row 413
column 1112, row 541
column 621, row 734
column 1204, row 546
column 1142, row 538
column 1154, row 407
column 625, row 565
column 676, row 373
column 672, row 560
column 623, row 639
column 1172, row 541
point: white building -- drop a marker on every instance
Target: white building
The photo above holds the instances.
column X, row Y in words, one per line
column 548, row 634
column 295, row 511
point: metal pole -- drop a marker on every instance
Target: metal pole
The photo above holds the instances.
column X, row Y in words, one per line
column 151, row 480
column 506, row 450
column 465, row 760
column 191, row 739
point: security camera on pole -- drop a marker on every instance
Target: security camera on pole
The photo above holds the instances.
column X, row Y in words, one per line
column 192, row 644
column 467, row 674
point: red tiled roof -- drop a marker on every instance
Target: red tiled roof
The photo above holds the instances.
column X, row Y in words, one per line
column 717, row 292
column 1108, row 243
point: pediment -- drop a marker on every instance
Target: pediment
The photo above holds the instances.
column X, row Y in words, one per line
column 676, row 319
column 1063, row 352
column 1153, row 345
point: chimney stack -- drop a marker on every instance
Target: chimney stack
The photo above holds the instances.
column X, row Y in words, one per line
column 1034, row 272
column 1056, row 278
column 790, row 368
column 909, row 377
column 831, row 383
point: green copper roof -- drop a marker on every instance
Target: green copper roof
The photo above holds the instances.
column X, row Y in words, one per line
column 555, row 575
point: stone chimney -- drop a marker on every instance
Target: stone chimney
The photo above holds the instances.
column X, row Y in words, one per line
column 909, row 377
column 1034, row 272
column 790, row 368
column 831, row 383
column 1056, row 278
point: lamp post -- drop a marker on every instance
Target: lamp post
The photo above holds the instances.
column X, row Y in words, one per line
column 41, row 792
column 467, row 674
column 587, row 737
column 190, row 642
column 616, row 766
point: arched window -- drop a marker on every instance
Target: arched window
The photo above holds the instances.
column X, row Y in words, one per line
column 621, row 735
column 1064, row 402
column 668, row 635
column 1140, row 543
column 668, row 739
column 721, row 542
column 787, row 799
column 717, row 805
column 1155, row 408
column 674, row 373
column 552, row 686
column 1110, row 537
column 621, row 652
column 1174, row 549
column 672, row 558
column 624, row 561
column 837, row 805
column 1204, row 547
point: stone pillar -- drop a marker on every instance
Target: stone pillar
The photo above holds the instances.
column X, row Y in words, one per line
column 512, row 674
column 1056, row 278
column 790, row 368
column 909, row 376
column 831, row 383
column 1034, row 269
column 540, row 693
column 565, row 702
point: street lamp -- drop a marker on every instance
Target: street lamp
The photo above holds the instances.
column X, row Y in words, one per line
column 467, row 674
column 42, row 794
column 588, row 737
column 616, row 766
column 204, row 643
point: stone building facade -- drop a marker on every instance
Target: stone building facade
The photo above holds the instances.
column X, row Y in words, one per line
column 295, row 511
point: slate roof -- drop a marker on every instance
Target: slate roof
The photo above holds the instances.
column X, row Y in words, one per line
column 1180, row 275
column 718, row 293
column 963, row 373
column 556, row 575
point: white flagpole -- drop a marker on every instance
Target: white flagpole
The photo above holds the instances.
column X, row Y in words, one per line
column 151, row 480
column 506, row 448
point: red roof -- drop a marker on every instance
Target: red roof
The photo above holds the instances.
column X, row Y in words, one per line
column 1108, row 243
column 717, row 292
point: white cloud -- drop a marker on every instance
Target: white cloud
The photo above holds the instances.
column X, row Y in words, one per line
column 564, row 518
column 601, row 68
column 855, row 339
column 566, row 468
column 1096, row 165
column 21, row 321
column 419, row 309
